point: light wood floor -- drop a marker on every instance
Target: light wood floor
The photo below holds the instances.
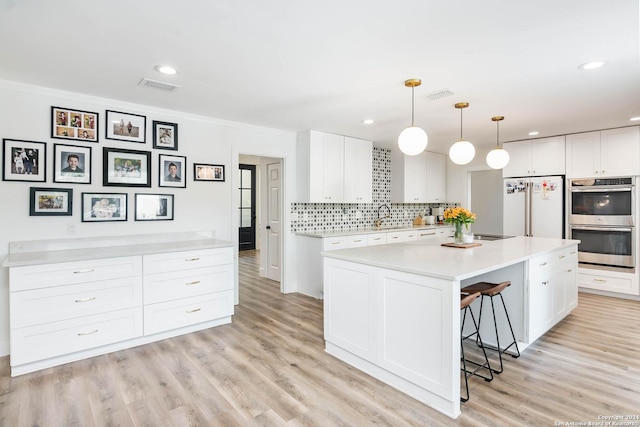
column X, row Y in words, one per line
column 268, row 368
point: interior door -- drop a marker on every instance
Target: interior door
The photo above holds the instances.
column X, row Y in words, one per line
column 247, row 210
column 274, row 221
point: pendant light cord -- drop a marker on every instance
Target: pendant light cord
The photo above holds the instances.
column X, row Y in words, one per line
column 412, row 102
column 498, row 134
column 461, row 124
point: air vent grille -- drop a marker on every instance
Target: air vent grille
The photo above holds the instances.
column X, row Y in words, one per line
column 442, row 93
column 154, row 84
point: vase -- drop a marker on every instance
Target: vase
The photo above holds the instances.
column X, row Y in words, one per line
column 462, row 234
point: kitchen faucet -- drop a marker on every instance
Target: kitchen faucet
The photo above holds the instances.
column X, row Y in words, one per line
column 378, row 221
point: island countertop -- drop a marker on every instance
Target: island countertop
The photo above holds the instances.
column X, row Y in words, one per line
column 429, row 258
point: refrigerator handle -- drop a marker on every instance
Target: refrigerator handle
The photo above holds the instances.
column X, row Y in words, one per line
column 527, row 208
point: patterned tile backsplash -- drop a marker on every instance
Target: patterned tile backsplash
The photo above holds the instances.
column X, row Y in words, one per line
column 321, row 217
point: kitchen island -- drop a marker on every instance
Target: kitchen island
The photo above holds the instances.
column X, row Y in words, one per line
column 393, row 311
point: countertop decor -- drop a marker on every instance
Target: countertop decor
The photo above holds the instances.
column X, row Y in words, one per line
column 459, row 216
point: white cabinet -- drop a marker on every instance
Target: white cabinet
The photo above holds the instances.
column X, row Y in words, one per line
column 607, row 153
column 358, row 173
column 609, row 281
column 535, row 157
column 333, row 168
column 436, row 177
column 418, row 179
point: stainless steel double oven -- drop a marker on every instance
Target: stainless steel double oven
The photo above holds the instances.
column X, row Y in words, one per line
column 602, row 215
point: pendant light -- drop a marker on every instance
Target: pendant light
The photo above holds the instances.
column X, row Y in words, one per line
column 413, row 140
column 498, row 157
column 462, row 152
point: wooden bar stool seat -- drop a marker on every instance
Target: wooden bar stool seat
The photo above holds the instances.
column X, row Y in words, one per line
column 491, row 290
column 465, row 302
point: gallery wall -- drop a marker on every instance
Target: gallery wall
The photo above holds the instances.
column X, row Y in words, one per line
column 25, row 114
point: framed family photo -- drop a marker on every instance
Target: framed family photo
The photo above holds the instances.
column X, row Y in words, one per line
column 154, row 207
column 126, row 127
column 102, row 207
column 171, row 169
column 71, row 164
column 128, row 168
column 23, row 160
column 68, row 123
column 165, row 135
column 50, row 201
column 206, row 172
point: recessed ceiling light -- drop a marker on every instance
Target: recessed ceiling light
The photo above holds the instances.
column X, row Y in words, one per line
column 533, row 133
column 635, row 119
column 591, row 65
column 165, row 69
column 368, row 121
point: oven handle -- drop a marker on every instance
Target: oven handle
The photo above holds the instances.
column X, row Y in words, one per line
column 587, row 227
column 599, row 189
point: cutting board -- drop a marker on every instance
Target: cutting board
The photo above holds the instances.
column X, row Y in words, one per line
column 462, row 245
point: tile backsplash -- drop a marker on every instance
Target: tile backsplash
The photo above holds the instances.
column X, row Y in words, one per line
column 320, row 217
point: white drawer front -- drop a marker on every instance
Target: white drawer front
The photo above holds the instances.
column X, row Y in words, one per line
column 183, row 284
column 395, row 237
column 430, row 233
column 356, row 241
column 377, row 239
column 187, row 311
column 332, row 243
column 173, row 261
column 54, row 339
column 68, row 273
column 607, row 283
column 38, row 306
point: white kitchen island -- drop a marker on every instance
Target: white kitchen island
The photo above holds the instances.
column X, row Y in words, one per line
column 393, row 311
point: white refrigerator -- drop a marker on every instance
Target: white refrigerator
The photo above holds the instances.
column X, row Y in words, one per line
column 534, row 206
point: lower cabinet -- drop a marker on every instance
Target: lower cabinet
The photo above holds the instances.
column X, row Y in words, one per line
column 609, row 281
column 68, row 311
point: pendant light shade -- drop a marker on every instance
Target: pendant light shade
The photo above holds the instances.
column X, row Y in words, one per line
column 413, row 140
column 497, row 158
column 462, row 152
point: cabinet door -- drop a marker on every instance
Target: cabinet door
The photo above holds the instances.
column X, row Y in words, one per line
column 540, row 304
column 548, row 156
column 436, row 177
column 583, row 155
column 620, row 151
column 358, row 167
column 326, row 167
column 415, row 181
column 519, row 159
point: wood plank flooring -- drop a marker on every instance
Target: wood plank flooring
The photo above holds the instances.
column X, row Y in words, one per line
column 268, row 368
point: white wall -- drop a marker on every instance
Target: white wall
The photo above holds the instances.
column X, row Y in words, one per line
column 25, row 113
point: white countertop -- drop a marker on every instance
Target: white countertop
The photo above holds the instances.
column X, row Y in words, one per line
column 368, row 230
column 429, row 258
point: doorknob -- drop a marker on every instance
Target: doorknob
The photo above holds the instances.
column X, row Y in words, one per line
column 268, row 227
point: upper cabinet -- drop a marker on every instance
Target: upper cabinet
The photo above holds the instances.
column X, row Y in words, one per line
column 418, row 179
column 607, row 153
column 535, row 157
column 333, row 168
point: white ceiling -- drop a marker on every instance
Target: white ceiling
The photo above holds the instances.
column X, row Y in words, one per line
column 326, row 65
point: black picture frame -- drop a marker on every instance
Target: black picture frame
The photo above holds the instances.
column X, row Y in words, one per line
column 50, row 201
column 129, row 127
column 154, row 207
column 165, row 135
column 208, row 172
column 104, row 207
column 64, row 167
column 126, row 168
column 24, row 160
column 69, row 123
column 171, row 171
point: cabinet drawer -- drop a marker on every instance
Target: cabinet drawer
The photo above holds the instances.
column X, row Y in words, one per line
column 187, row 283
column 376, row 239
column 356, row 241
column 395, row 237
column 38, row 306
column 624, row 285
column 332, row 243
column 40, row 342
column 547, row 262
column 187, row 311
column 68, row 273
column 430, row 233
column 173, row 261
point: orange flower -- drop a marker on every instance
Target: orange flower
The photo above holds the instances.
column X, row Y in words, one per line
column 459, row 215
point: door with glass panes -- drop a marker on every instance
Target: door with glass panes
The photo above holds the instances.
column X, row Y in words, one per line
column 247, row 209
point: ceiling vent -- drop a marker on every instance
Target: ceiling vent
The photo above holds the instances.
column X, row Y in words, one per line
column 442, row 93
column 154, row 84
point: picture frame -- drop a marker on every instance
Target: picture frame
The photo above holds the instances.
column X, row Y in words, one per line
column 50, row 201
column 126, row 127
column 127, row 168
column 71, row 163
column 154, row 207
column 24, row 160
column 171, row 170
column 67, row 123
column 104, row 207
column 208, row 172
column 165, row 135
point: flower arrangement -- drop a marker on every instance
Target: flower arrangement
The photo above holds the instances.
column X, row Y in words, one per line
column 459, row 216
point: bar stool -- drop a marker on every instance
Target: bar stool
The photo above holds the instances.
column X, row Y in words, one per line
column 465, row 301
column 491, row 290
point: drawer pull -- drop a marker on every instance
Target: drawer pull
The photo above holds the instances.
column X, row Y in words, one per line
column 600, row 280
column 427, row 234
column 570, row 270
column 192, row 283
column 194, row 310
column 377, row 238
column 543, row 264
column 574, row 252
column 192, row 259
column 87, row 333
column 86, row 270
column 546, row 282
column 335, row 243
column 357, row 241
column 394, row 237
column 561, row 256
column 86, row 299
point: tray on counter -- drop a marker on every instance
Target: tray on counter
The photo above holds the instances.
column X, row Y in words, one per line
column 461, row 245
